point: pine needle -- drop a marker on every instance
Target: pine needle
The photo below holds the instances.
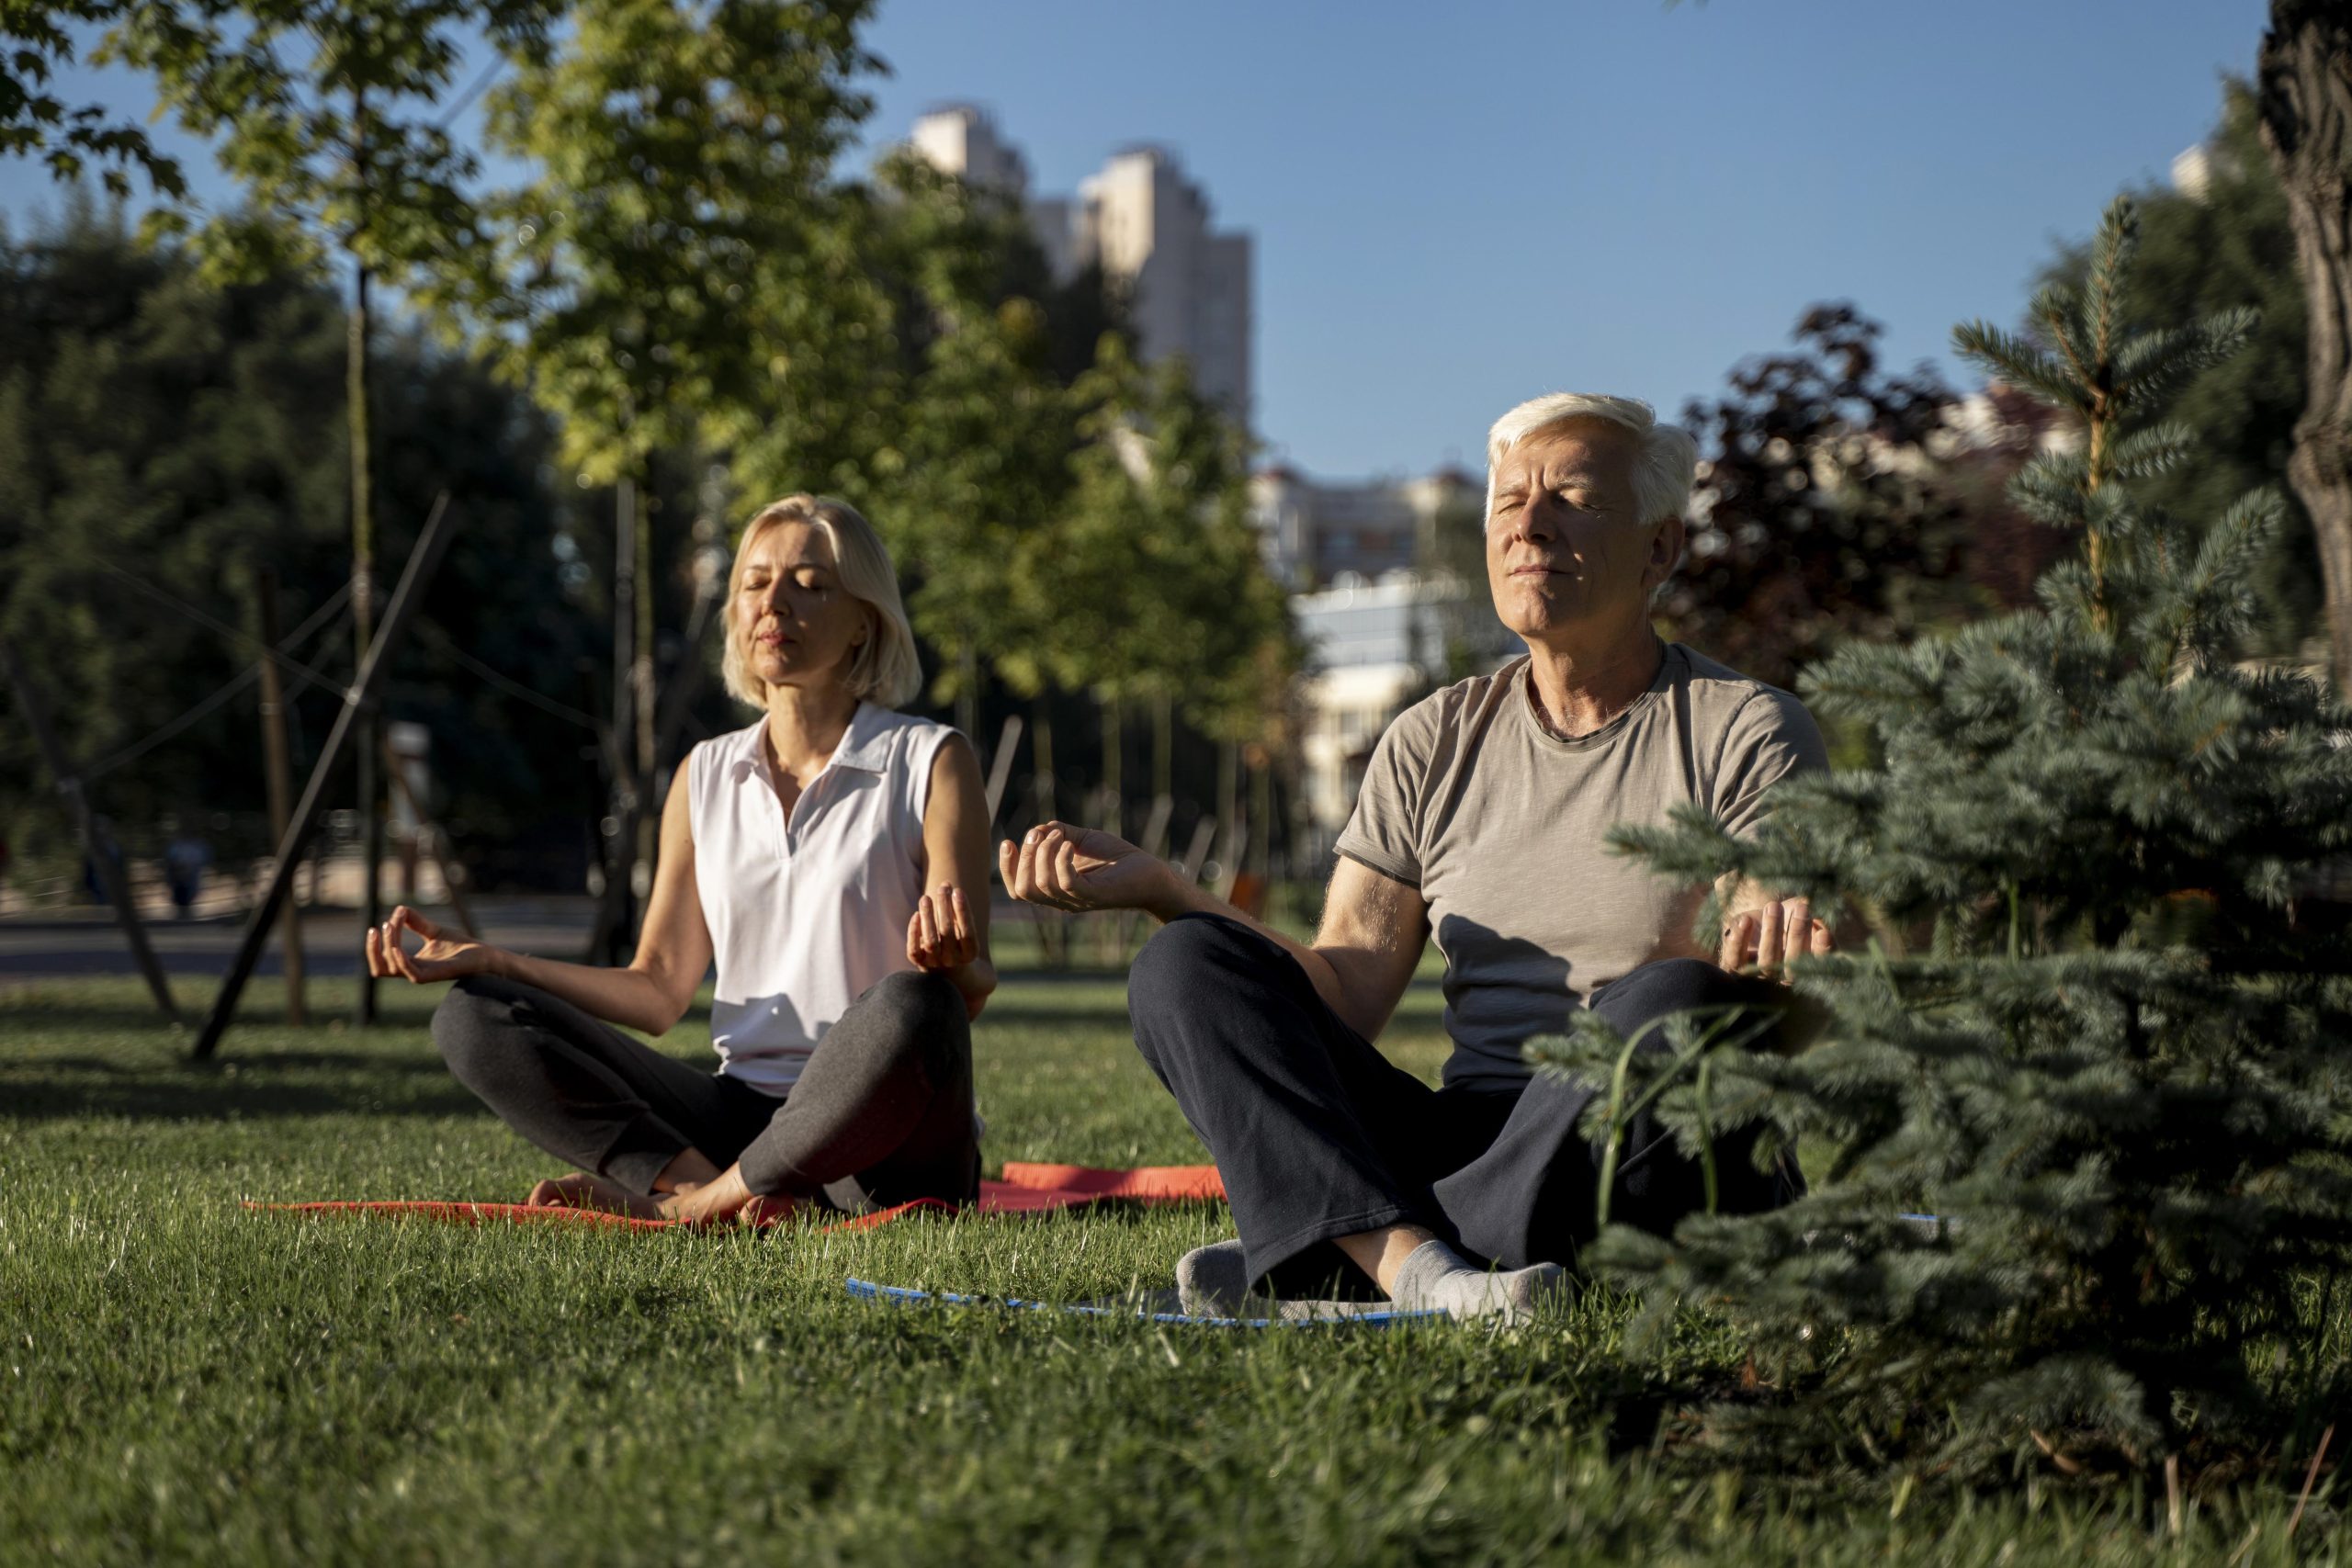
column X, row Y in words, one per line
column 2296, row 1519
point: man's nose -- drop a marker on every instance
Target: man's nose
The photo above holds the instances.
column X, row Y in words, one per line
column 1534, row 522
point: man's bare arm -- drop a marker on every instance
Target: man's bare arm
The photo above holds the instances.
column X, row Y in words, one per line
column 1362, row 957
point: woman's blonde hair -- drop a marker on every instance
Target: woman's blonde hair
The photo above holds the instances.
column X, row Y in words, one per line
column 885, row 668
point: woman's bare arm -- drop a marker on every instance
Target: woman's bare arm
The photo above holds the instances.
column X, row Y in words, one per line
column 949, row 932
column 651, row 994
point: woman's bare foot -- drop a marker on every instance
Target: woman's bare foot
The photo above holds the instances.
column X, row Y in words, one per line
column 583, row 1191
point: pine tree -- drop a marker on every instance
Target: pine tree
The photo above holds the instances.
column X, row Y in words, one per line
column 2092, row 1034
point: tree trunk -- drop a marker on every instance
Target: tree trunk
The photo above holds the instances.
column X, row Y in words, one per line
column 363, row 624
column 642, row 693
column 1115, row 799
column 1041, row 753
column 968, row 687
column 619, row 859
column 1053, row 930
column 1163, row 746
column 2305, row 73
column 1229, row 807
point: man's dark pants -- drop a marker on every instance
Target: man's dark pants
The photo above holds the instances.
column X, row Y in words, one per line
column 1320, row 1136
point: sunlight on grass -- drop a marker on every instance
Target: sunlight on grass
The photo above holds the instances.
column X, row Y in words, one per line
column 184, row 1380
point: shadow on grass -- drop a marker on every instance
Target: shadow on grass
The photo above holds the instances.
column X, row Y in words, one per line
column 148, row 1085
column 1025, row 1015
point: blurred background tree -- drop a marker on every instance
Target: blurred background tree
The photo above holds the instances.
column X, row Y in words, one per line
column 1819, row 515
column 643, row 284
column 160, row 441
column 37, row 42
column 332, row 115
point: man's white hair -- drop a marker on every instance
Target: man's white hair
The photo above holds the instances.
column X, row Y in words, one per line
column 1665, row 460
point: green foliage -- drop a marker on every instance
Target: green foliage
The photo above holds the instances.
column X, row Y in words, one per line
column 659, row 280
column 1822, row 514
column 2230, row 246
column 2091, row 1033
column 187, row 433
column 185, row 1380
column 328, row 113
column 37, row 40
column 1152, row 585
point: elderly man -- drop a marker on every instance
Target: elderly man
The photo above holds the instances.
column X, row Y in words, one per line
column 1482, row 821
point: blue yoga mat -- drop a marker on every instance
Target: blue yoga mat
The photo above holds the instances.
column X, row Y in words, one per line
column 1310, row 1314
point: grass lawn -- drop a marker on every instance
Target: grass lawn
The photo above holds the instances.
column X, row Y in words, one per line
column 182, row 1379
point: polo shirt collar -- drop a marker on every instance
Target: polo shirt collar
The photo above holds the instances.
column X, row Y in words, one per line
column 864, row 745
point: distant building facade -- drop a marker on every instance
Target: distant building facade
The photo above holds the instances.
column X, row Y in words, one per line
column 1316, row 535
column 1383, row 622
column 1374, row 648
column 1149, row 229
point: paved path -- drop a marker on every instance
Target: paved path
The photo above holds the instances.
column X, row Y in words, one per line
column 89, row 943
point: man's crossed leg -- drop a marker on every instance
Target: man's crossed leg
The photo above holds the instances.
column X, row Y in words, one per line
column 1343, row 1170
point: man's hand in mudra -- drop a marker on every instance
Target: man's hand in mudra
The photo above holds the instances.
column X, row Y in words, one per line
column 1068, row 867
column 1762, row 940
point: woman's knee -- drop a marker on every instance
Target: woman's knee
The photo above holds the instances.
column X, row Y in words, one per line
column 915, row 1011
column 477, row 1009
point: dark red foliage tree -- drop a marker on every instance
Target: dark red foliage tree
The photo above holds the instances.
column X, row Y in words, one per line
column 1820, row 513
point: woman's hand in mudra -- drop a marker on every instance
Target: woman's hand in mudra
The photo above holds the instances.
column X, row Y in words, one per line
column 1067, row 867
column 940, row 934
column 441, row 956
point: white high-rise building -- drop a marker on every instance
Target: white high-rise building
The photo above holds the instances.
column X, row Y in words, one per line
column 961, row 140
column 1147, row 227
column 1187, row 285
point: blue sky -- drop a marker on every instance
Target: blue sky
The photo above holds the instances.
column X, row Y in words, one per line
column 1459, row 207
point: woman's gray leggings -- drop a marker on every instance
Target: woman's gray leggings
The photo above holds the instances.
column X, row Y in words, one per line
column 882, row 1112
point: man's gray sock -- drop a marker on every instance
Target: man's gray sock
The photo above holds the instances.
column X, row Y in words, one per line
column 1213, row 1281
column 1435, row 1278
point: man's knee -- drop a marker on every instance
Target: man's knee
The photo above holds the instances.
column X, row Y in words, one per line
column 1675, row 985
column 1187, row 953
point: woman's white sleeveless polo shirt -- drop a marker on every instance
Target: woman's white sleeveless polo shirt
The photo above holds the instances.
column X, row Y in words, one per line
column 808, row 911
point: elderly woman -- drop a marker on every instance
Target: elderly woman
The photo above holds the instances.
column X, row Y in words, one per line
column 1482, row 821
column 822, row 858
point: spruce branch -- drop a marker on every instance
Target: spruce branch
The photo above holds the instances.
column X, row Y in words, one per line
column 2016, row 361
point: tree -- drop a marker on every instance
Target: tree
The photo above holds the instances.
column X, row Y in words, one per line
column 2088, row 1035
column 1151, row 587
column 654, row 283
column 2305, row 93
column 1818, row 513
column 331, row 113
column 37, row 42
column 979, row 429
column 159, row 433
column 2219, row 243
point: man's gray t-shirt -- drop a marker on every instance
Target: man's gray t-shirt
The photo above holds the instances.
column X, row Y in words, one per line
column 1503, row 827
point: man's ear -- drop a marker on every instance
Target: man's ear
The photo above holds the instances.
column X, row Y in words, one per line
column 1665, row 549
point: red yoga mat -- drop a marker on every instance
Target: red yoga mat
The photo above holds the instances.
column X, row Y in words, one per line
column 1027, row 1188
